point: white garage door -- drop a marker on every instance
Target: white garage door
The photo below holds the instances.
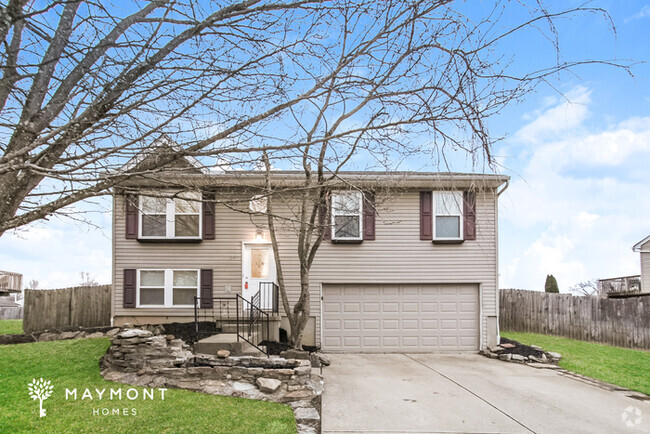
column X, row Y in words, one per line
column 400, row 318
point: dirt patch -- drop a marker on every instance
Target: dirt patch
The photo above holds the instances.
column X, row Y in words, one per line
column 519, row 348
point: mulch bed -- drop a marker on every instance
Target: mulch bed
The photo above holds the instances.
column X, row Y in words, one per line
column 187, row 331
column 519, row 348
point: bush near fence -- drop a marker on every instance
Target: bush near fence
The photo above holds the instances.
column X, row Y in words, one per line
column 623, row 322
column 84, row 306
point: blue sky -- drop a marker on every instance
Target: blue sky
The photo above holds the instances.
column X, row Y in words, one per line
column 578, row 152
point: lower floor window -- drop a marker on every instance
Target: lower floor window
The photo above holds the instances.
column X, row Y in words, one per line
column 167, row 288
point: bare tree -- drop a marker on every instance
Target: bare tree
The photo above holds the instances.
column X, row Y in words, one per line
column 588, row 288
column 87, row 279
column 33, row 284
column 87, row 85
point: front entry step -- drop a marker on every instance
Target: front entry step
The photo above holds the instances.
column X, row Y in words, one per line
column 226, row 341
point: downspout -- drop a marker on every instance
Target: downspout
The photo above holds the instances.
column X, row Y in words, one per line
column 496, row 220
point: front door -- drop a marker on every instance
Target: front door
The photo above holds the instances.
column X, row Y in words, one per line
column 258, row 267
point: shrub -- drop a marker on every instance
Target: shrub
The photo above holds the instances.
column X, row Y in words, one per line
column 551, row 284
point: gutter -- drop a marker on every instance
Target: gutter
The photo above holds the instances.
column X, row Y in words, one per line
column 505, row 187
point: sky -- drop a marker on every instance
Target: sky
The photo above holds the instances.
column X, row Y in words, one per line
column 577, row 152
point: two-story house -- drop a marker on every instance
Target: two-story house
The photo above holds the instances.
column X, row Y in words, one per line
column 415, row 272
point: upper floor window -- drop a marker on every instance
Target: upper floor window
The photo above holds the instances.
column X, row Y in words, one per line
column 347, row 221
column 448, row 215
column 178, row 217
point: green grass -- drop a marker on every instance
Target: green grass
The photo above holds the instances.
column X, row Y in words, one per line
column 75, row 364
column 11, row 326
column 621, row 366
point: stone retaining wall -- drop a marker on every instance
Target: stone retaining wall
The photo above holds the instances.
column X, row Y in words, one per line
column 139, row 358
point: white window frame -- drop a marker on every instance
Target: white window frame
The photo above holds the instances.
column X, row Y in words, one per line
column 334, row 214
column 461, row 220
column 170, row 218
column 168, row 285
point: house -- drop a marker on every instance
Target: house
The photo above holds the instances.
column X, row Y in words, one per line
column 643, row 247
column 410, row 263
column 630, row 286
column 10, row 286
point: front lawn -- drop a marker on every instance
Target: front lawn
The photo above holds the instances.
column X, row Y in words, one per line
column 11, row 326
column 621, row 366
column 75, row 364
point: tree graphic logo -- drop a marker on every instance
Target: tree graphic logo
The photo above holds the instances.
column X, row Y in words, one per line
column 41, row 390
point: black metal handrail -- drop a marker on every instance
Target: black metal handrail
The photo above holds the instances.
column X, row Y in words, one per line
column 256, row 328
column 221, row 310
column 269, row 300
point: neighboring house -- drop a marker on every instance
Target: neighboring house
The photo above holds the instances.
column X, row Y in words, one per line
column 10, row 286
column 643, row 247
column 630, row 286
column 410, row 263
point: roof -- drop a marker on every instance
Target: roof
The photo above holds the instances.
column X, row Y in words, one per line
column 637, row 246
column 287, row 178
column 160, row 145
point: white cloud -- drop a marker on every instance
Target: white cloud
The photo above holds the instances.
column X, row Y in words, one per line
column 56, row 252
column 643, row 13
column 571, row 112
column 580, row 202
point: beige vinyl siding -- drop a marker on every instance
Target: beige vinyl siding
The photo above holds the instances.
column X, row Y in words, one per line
column 396, row 256
column 645, row 269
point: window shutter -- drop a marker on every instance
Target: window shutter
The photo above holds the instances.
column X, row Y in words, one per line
column 324, row 218
column 128, row 296
column 208, row 215
column 206, row 289
column 426, row 215
column 131, row 216
column 469, row 215
column 368, row 216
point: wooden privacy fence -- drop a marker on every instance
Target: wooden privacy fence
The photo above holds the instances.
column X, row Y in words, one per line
column 85, row 306
column 624, row 322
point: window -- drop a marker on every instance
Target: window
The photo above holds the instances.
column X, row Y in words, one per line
column 167, row 288
column 448, row 216
column 178, row 217
column 346, row 215
column 258, row 203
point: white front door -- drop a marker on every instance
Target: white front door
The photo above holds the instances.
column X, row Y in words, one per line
column 258, row 267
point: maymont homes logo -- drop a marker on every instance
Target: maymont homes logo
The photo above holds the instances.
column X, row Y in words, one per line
column 40, row 389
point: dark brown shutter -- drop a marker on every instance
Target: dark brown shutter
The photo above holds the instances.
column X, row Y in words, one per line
column 426, row 215
column 368, row 216
column 324, row 218
column 469, row 215
column 208, row 215
column 128, row 296
column 206, row 289
column 131, row 216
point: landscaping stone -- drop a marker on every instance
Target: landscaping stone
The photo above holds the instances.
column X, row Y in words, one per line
column 134, row 333
column 324, row 360
column 139, row 358
column 295, row 354
column 505, row 357
column 507, row 345
column 67, row 335
column 496, row 349
column 555, row 357
column 222, row 354
column 315, row 360
column 268, row 385
column 112, row 332
column 45, row 337
column 95, row 335
column 517, row 358
column 536, row 359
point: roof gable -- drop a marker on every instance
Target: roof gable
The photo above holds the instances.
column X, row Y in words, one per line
column 161, row 146
column 643, row 245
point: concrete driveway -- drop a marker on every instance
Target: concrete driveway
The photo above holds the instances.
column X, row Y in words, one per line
column 407, row 393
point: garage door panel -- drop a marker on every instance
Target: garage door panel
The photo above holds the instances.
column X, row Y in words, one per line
column 400, row 318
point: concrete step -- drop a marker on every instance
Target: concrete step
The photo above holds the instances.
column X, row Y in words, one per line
column 226, row 341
